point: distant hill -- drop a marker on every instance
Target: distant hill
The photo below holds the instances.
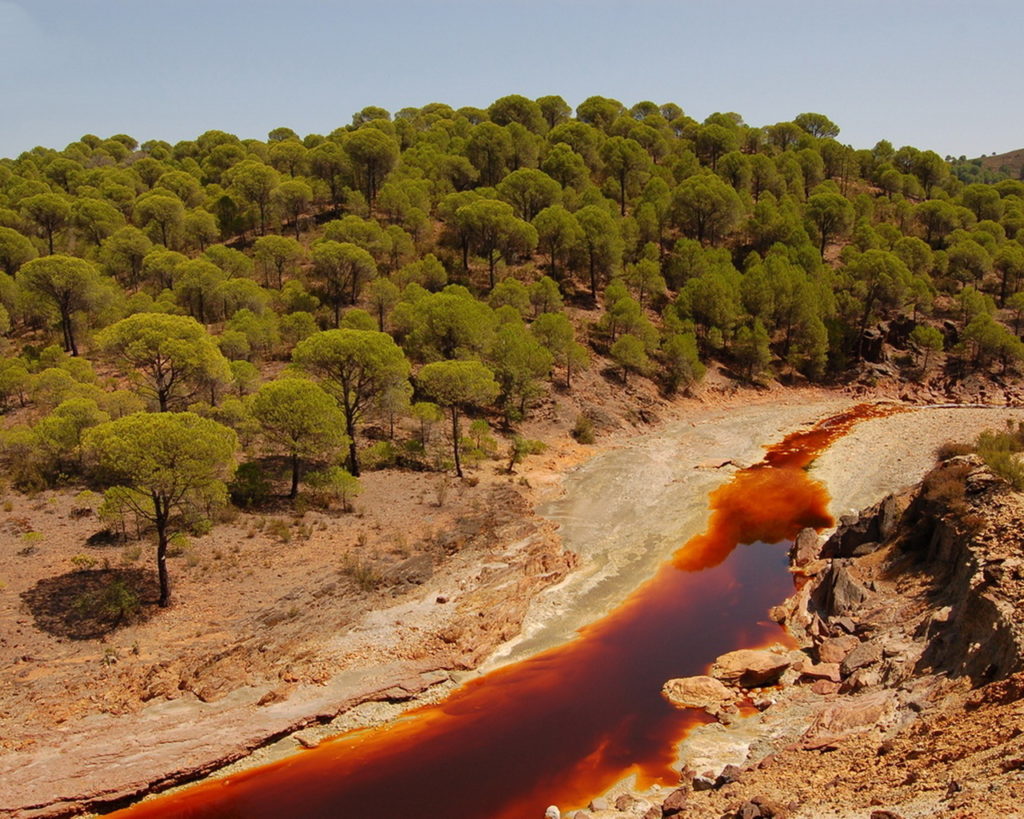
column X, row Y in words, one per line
column 1010, row 163
column 989, row 169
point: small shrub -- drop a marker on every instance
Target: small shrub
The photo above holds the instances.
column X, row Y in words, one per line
column 201, row 526
column 83, row 563
column 116, row 600
column 583, row 430
column 482, row 440
column 31, row 541
column 380, row 455
column 363, row 573
column 85, row 504
column 945, row 487
column 335, row 483
column 441, row 490
column 952, row 449
column 130, row 554
column 279, row 529
column 250, row 486
column 1000, row 451
column 177, row 544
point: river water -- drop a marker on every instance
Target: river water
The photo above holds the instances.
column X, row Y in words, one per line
column 563, row 726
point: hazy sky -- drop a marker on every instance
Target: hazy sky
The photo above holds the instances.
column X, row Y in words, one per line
column 930, row 73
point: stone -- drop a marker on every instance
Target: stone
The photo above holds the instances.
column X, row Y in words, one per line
column 867, row 548
column 305, row 739
column 848, row 716
column 599, row 803
column 861, row 679
column 885, row 814
column 626, row 802
column 843, row 625
column 805, row 548
column 839, row 592
column 729, row 774
column 864, row 654
column 825, row 687
column 696, row 692
column 750, row 667
column 553, row 813
column 835, row 649
column 820, row 671
column 675, row 802
column 760, row 807
column 704, row 782
column 414, row 570
column 654, row 812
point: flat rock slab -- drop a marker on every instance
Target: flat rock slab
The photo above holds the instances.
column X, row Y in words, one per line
column 750, row 667
column 849, row 716
column 697, row 692
column 91, row 764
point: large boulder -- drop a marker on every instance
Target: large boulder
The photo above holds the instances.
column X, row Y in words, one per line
column 697, row 692
column 835, row 649
column 863, row 532
column 750, row 667
column 675, row 803
column 806, row 548
column 839, row 592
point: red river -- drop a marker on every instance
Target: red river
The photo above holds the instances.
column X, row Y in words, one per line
column 563, row 726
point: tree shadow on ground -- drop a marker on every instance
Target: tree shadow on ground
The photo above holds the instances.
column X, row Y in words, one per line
column 86, row 605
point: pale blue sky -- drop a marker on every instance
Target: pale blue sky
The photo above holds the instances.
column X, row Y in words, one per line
column 931, row 73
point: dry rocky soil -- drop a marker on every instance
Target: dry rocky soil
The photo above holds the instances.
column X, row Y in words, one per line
column 291, row 624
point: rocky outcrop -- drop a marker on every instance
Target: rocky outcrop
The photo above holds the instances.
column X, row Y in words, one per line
column 861, row 533
column 906, row 605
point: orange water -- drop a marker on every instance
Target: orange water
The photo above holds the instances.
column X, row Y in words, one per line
column 563, row 726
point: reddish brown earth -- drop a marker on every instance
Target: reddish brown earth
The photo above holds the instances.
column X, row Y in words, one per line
column 251, row 624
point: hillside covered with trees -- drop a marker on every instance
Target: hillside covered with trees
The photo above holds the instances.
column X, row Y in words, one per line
column 312, row 307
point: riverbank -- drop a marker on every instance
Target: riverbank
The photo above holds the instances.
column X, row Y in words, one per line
column 622, row 512
column 886, row 712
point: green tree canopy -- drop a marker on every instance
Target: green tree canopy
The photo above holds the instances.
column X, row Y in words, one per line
column 168, row 468
column 66, row 283
column 458, row 385
column 705, row 207
column 831, row 214
column 298, row 419
column 356, row 367
column 340, row 270
column 167, row 358
column 15, row 250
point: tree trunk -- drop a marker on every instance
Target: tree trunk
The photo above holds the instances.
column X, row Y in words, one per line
column 350, row 429
column 161, row 551
column 69, row 333
column 455, row 440
column 295, row 477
